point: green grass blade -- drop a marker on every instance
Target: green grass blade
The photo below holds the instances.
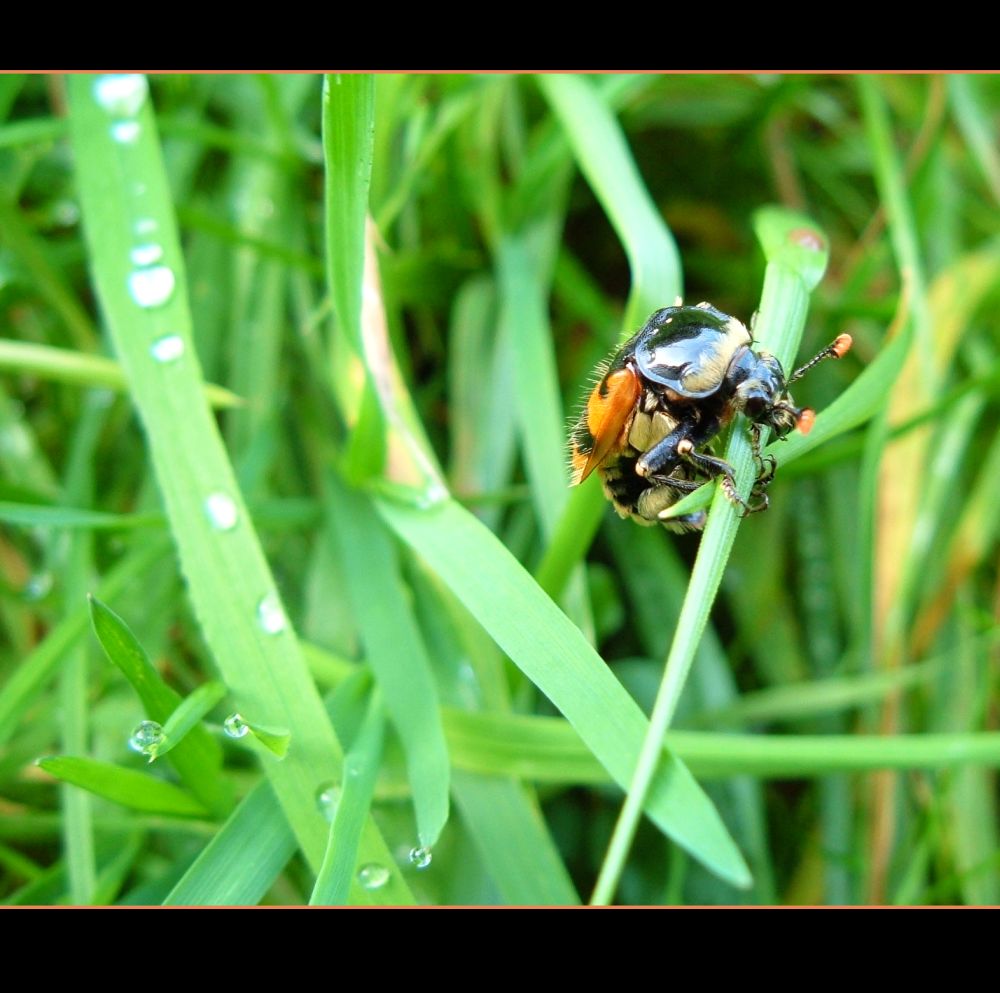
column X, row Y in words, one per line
column 550, row 750
column 604, row 158
column 35, row 671
column 34, row 256
column 82, row 369
column 187, row 716
column 241, row 862
column 555, row 656
column 395, row 650
column 37, row 515
column 334, row 880
column 123, row 187
column 781, row 319
column 506, row 828
column 198, row 760
column 135, row 790
column 977, row 126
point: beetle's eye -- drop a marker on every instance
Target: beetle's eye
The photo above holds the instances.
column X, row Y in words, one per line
column 755, row 407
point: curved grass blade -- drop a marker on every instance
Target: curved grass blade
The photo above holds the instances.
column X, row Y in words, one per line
column 603, row 155
column 554, row 655
column 132, row 789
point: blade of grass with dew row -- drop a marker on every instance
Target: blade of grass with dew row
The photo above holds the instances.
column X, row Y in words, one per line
column 125, row 200
column 552, row 652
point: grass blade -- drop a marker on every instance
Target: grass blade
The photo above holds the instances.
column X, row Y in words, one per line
column 333, row 882
column 198, row 760
column 241, row 862
column 229, row 582
column 395, row 650
column 132, row 789
column 555, row 656
column 779, row 327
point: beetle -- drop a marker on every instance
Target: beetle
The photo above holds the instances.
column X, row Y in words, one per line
column 662, row 397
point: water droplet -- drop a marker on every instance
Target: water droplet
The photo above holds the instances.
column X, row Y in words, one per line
column 121, row 94
column 420, row 857
column 327, row 799
column 144, row 226
column 807, row 238
column 38, row 586
column 373, row 876
column 66, row 213
column 221, row 511
column 434, row 494
column 151, row 287
column 271, row 615
column 235, row 726
column 125, row 132
column 147, row 254
column 168, row 348
column 146, row 736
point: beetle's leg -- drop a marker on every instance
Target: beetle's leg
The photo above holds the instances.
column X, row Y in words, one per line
column 660, row 461
column 713, row 467
column 766, row 464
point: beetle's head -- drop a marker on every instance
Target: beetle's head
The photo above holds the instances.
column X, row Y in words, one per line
column 761, row 393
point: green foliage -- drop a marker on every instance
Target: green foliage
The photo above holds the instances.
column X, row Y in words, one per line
column 284, row 378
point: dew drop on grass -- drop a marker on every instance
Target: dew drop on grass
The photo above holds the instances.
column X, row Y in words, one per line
column 146, row 736
column 373, row 876
column 270, row 614
column 125, row 132
column 38, row 586
column 121, row 94
column 420, row 858
column 169, row 348
column 221, row 511
column 146, row 253
column 327, row 799
column 151, row 287
column 144, row 226
column 235, row 726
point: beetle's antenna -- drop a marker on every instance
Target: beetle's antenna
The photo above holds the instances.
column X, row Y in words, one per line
column 838, row 348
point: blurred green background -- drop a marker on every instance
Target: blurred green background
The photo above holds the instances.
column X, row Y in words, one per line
column 317, row 478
